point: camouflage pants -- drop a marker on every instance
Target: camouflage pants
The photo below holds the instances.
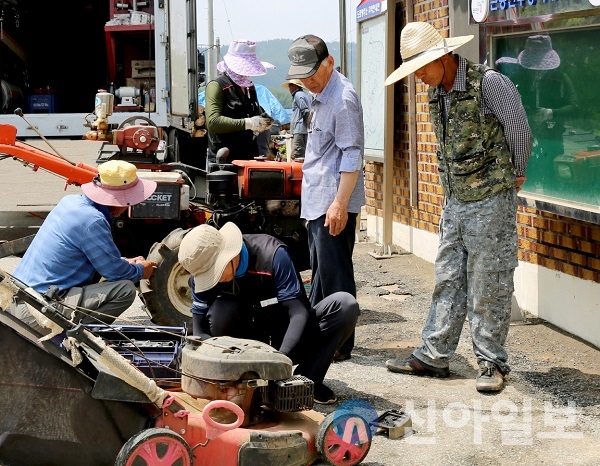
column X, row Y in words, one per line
column 474, row 272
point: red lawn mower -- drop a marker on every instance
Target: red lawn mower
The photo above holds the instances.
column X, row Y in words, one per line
column 107, row 396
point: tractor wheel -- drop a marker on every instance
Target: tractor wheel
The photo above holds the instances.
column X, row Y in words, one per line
column 343, row 439
column 167, row 293
column 155, row 447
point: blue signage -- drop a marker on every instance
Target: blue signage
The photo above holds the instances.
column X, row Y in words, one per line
column 370, row 8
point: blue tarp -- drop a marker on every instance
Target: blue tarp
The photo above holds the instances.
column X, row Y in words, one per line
column 268, row 101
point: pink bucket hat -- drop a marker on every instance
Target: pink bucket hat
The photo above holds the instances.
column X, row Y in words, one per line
column 117, row 185
column 241, row 59
column 266, row 64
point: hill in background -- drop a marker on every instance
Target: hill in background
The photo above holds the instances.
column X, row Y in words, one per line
column 275, row 52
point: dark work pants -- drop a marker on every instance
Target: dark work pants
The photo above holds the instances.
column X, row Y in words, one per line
column 331, row 322
column 331, row 263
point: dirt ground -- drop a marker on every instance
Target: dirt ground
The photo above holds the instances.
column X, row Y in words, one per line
column 549, row 412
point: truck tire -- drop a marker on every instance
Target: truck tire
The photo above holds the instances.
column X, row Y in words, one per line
column 173, row 146
column 166, row 293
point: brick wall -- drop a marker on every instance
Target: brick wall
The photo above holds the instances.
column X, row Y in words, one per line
column 551, row 241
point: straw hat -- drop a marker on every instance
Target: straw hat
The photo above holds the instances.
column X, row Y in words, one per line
column 205, row 252
column 538, row 54
column 297, row 82
column 118, row 185
column 241, row 59
column 420, row 44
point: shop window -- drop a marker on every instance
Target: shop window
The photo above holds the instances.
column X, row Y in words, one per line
column 556, row 73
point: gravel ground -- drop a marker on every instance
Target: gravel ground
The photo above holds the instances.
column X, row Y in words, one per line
column 549, row 412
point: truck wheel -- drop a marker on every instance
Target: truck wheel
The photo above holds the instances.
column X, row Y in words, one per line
column 167, row 293
column 173, row 146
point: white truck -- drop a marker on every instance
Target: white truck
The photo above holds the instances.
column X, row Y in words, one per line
column 55, row 57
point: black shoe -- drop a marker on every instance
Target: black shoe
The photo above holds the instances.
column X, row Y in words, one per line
column 414, row 366
column 339, row 357
column 324, row 395
column 489, row 379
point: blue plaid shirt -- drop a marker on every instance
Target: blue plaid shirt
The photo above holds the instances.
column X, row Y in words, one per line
column 335, row 144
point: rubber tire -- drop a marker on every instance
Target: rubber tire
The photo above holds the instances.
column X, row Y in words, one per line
column 325, row 433
column 173, row 146
column 169, row 299
column 149, row 447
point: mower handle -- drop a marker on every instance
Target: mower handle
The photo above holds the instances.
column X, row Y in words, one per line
column 214, row 428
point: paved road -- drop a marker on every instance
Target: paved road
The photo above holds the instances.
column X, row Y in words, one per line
column 25, row 190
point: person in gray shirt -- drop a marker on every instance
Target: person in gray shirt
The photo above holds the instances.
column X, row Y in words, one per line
column 300, row 111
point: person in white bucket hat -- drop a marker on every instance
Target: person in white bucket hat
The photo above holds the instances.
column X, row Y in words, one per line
column 246, row 286
column 484, row 142
column 234, row 117
column 74, row 249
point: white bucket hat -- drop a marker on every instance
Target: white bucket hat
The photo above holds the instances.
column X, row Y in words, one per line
column 118, row 185
column 205, row 252
column 420, row 44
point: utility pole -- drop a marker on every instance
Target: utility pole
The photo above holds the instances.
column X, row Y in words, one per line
column 342, row 15
column 211, row 56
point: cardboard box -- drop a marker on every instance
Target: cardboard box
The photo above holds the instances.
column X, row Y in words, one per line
column 142, row 69
column 140, row 17
column 141, row 83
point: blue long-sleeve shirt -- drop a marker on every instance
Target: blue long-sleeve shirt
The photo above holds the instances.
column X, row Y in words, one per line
column 73, row 243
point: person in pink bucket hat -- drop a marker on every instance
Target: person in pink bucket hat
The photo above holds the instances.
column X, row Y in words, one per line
column 234, row 118
column 74, row 249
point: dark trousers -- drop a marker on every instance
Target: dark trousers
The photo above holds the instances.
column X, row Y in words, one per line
column 331, row 263
column 330, row 323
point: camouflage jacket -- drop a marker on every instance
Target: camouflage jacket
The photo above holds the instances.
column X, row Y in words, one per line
column 474, row 162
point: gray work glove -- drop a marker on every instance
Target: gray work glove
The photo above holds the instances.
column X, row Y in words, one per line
column 258, row 124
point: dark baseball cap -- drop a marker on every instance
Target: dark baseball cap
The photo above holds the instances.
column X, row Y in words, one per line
column 306, row 54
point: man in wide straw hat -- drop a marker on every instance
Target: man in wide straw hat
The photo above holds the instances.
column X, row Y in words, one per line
column 246, row 286
column 233, row 114
column 74, row 248
column 300, row 111
column 484, row 143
